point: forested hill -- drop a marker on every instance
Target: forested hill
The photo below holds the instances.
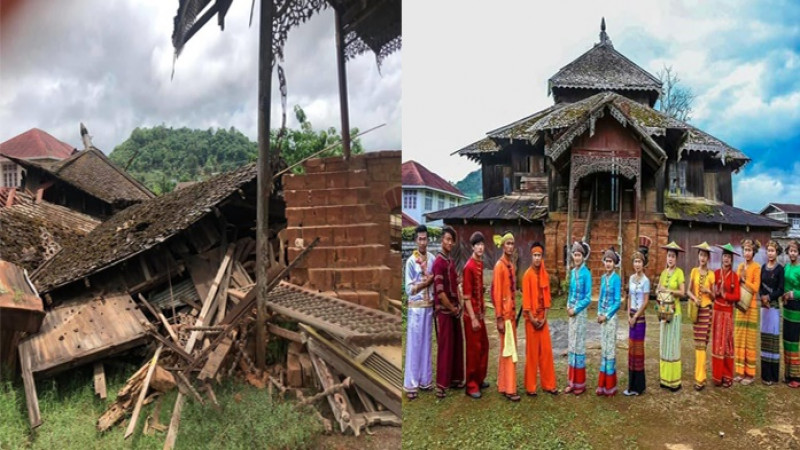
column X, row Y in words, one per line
column 164, row 156
column 472, row 185
column 168, row 155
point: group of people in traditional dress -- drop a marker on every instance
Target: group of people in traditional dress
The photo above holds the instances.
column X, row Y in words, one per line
column 725, row 307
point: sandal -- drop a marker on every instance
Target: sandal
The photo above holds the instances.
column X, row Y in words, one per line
column 513, row 397
column 440, row 393
column 553, row 392
column 531, row 394
column 794, row 384
column 699, row 387
column 747, row 381
column 411, row 396
column 568, row 389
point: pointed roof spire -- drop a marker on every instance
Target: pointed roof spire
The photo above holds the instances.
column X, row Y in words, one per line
column 604, row 39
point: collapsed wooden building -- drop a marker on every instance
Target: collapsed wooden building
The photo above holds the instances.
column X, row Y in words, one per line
column 603, row 166
column 177, row 272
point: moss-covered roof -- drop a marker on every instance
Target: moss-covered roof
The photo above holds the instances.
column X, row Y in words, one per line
column 602, row 67
column 565, row 115
column 140, row 227
column 690, row 209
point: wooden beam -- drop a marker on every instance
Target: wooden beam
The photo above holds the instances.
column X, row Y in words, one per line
column 366, row 378
column 239, row 312
column 209, row 301
column 284, row 333
column 264, row 188
column 161, row 317
column 31, row 399
column 342, row 73
column 99, row 380
column 143, row 393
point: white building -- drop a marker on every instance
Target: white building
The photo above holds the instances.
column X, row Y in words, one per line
column 424, row 192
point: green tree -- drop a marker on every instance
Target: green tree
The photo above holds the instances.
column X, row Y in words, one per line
column 301, row 143
column 162, row 156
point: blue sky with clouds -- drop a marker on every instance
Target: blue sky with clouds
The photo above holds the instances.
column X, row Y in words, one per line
column 740, row 58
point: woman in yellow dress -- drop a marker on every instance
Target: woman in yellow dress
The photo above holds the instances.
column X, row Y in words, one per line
column 672, row 284
column 701, row 285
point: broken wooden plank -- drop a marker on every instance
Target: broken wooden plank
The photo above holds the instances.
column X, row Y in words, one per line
column 212, row 294
column 382, row 418
column 337, row 400
column 143, row 393
column 161, row 317
column 246, row 305
column 370, row 381
column 99, row 380
column 289, row 335
column 123, row 402
column 174, row 423
column 365, row 399
column 222, row 294
column 31, row 398
column 216, row 357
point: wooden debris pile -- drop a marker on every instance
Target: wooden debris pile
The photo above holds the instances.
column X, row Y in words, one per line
column 205, row 332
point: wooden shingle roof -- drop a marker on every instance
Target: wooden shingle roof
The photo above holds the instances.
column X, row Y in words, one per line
column 604, row 68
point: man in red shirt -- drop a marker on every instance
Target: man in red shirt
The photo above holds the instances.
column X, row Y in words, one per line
column 449, row 343
column 477, row 340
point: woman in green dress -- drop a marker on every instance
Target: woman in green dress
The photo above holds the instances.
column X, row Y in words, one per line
column 671, row 285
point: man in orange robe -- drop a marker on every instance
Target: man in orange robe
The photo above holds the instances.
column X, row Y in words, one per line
column 535, row 303
column 505, row 308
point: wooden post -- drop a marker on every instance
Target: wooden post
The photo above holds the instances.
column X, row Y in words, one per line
column 569, row 221
column 264, row 178
column 660, row 186
column 342, row 86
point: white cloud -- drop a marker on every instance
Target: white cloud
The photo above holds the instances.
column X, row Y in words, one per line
column 114, row 74
column 754, row 191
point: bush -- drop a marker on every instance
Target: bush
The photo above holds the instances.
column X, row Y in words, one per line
column 433, row 232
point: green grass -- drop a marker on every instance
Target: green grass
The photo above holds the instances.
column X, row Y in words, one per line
column 248, row 418
column 747, row 415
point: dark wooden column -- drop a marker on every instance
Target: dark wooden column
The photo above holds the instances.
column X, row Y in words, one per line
column 344, row 109
column 264, row 178
column 660, row 186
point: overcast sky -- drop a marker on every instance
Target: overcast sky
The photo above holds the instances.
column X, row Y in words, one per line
column 108, row 64
column 469, row 70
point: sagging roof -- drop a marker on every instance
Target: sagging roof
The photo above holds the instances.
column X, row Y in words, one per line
column 562, row 116
column 23, row 223
column 702, row 210
column 604, row 68
column 507, row 207
column 36, row 144
column 92, row 172
column 141, row 227
column 417, row 175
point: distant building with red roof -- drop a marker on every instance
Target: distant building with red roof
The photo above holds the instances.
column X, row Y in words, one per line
column 32, row 145
column 424, row 192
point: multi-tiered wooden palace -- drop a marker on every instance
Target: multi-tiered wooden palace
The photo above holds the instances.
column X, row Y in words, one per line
column 602, row 165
